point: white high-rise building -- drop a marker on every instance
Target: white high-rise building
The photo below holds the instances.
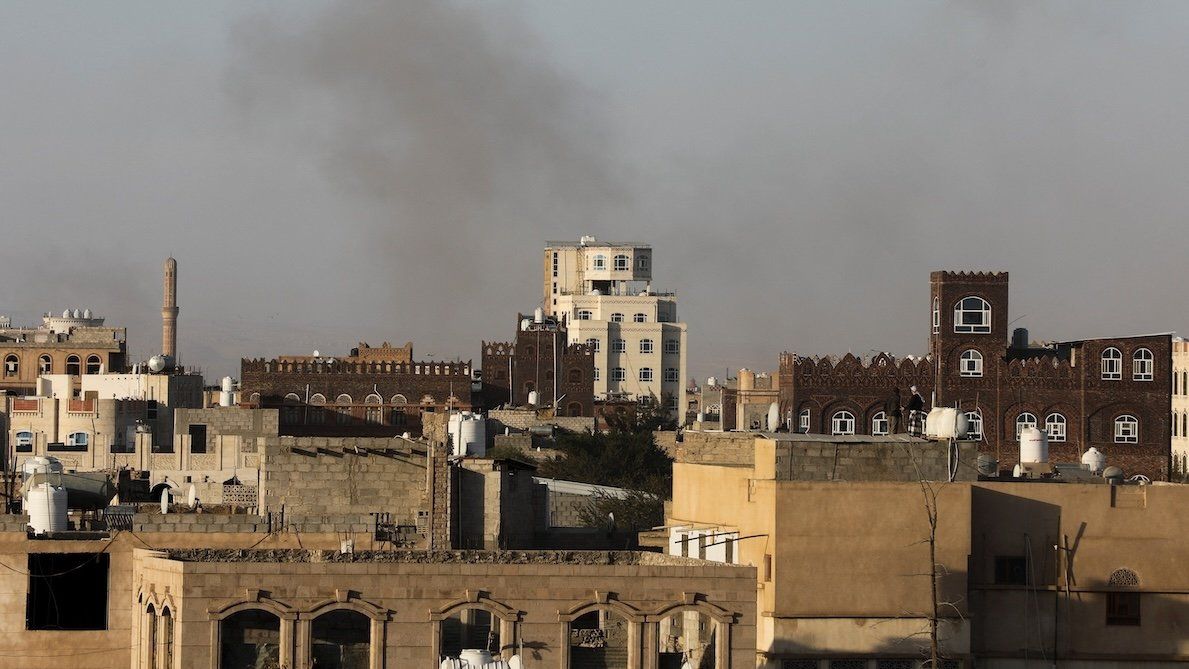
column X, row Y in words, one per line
column 603, row 290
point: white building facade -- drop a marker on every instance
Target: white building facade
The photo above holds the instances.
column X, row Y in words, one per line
column 1180, row 406
column 603, row 290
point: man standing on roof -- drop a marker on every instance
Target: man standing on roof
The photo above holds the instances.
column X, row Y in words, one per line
column 891, row 407
column 916, row 406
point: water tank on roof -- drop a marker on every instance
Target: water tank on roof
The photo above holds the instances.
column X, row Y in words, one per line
column 1094, row 460
column 532, row 398
column 946, row 423
column 773, row 417
column 46, row 505
column 747, row 379
column 711, row 381
column 77, row 314
column 40, row 465
column 1019, row 338
column 86, row 313
column 66, row 313
column 1034, row 446
column 157, row 363
column 538, row 315
column 1113, row 475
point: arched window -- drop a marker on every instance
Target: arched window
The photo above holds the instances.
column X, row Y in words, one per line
column 373, row 399
column 972, row 315
column 843, row 422
column 93, row 364
column 619, row 346
column 618, row 374
column 646, row 346
column 150, row 635
column 936, row 315
column 1142, row 363
column 254, row 399
column 687, row 638
column 1112, row 364
column 12, row 365
column 803, row 421
column 250, row 638
column 343, row 399
column 599, row 262
column 318, row 399
column 609, row 632
column 292, row 398
column 645, row 373
column 574, row 375
column 470, row 628
column 73, row 366
column 166, row 646
column 640, row 318
column 1023, row 421
column 593, row 343
column 974, row 425
column 617, row 317
column 45, row 365
column 1126, row 429
column 574, row 409
column 879, row 424
column 1123, row 605
column 341, row 639
column 971, row 364
column 1055, row 427
column 78, row 439
column 622, row 263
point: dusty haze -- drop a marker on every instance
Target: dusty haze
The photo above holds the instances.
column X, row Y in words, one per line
column 327, row 172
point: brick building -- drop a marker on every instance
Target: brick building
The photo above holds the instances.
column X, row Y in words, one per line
column 355, row 395
column 1110, row 393
column 541, row 360
column 75, row 343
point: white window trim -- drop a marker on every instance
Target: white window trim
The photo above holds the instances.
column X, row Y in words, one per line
column 970, row 365
column 1056, row 429
column 840, row 420
column 1022, row 422
column 1142, row 368
column 1126, row 429
column 1112, row 365
column 803, row 420
column 984, row 327
column 879, row 424
column 974, row 425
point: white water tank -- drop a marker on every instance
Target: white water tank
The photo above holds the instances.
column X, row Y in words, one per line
column 773, row 417
column 532, row 398
column 46, row 506
column 228, row 384
column 1034, row 446
column 946, row 423
column 40, row 465
column 538, row 315
column 468, row 434
column 711, row 381
column 475, row 658
column 1094, row 459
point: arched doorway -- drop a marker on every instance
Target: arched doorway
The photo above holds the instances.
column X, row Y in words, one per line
column 341, row 639
column 599, row 640
column 470, row 628
column 686, row 638
column 250, row 638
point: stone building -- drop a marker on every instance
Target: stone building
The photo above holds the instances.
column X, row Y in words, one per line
column 1080, row 573
column 75, row 343
column 365, row 394
column 541, row 359
column 1110, row 393
column 603, row 292
column 1180, row 407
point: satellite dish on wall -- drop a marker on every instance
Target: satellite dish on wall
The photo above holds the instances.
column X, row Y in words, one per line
column 165, row 500
column 192, row 497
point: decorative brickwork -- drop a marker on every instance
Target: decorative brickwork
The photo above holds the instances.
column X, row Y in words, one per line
column 540, row 359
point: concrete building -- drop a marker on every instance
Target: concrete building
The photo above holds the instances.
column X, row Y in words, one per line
column 75, row 343
column 603, row 291
column 1110, row 393
column 1180, row 408
column 1075, row 574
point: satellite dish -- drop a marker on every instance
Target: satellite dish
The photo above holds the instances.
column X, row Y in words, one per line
column 192, row 497
column 165, row 500
column 515, row 662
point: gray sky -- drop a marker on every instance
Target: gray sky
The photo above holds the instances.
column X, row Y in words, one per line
column 329, row 172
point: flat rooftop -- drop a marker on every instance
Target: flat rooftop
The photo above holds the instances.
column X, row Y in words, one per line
column 299, row 556
column 566, row 243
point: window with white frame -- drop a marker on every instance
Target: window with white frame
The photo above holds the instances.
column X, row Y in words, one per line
column 672, row 375
column 621, row 262
column 879, row 424
column 618, row 374
column 803, row 421
column 645, row 373
column 972, row 315
column 646, row 346
column 619, row 346
column 971, row 364
column 1141, row 365
column 842, row 422
column 81, row 439
column 1023, row 421
column 617, row 318
column 936, row 315
column 1055, row 427
column 640, row 317
column 593, row 343
column 599, row 262
column 24, row 441
column 583, row 314
column 672, row 346
column 1112, row 364
column 974, row 425
column 1126, row 429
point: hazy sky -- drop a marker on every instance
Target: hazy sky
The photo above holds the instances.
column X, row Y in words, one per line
column 329, row 172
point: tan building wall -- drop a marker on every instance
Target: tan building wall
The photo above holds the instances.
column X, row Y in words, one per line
column 1180, row 408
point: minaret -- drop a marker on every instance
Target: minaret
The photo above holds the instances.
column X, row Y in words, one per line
column 169, row 310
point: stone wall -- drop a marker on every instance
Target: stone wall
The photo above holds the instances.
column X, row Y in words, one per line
column 525, row 419
column 712, row 448
column 872, row 461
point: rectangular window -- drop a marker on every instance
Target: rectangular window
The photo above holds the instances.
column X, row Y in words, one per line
column 555, row 263
column 596, row 374
column 198, row 439
column 1011, row 570
column 767, row 568
column 619, row 346
column 618, row 374
column 1122, row 608
column 729, row 551
column 646, row 346
column 672, row 346
column 67, row 591
column 584, row 314
column 684, row 545
column 672, row 375
column 646, row 374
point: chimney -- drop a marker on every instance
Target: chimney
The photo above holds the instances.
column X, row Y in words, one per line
column 169, row 310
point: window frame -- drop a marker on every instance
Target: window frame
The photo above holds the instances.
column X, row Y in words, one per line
column 1111, row 361
column 842, row 417
column 639, row 317
column 672, row 375
column 583, row 315
column 1146, row 364
column 647, row 345
column 646, row 375
column 803, row 421
column 624, row 266
column 617, row 317
column 12, row 365
column 1126, row 429
column 619, row 374
column 970, row 364
column 1021, row 423
column 593, row 343
column 974, row 425
column 1057, row 436
column 672, row 346
column 619, row 345
column 599, row 261
column 880, row 425
column 961, row 310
